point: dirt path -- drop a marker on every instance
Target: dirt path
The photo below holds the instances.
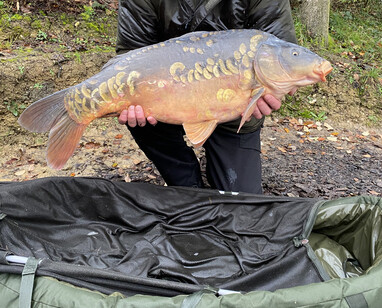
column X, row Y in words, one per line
column 300, row 158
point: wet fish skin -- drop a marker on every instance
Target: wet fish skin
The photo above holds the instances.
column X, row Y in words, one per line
column 197, row 80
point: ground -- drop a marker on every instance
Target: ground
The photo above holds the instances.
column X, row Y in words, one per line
column 336, row 153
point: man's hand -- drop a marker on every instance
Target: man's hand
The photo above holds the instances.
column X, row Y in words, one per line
column 134, row 116
column 267, row 104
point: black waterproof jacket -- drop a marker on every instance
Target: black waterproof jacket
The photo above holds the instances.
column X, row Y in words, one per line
column 146, row 22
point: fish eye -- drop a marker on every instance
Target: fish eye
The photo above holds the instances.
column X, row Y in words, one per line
column 295, row 53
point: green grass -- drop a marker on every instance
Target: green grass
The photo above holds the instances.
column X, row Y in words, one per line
column 302, row 106
column 14, row 108
column 359, row 33
column 355, row 39
column 91, row 29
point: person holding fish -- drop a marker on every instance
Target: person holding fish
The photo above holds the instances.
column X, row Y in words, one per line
column 233, row 159
column 194, row 68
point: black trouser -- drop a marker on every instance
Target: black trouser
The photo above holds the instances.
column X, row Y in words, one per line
column 233, row 160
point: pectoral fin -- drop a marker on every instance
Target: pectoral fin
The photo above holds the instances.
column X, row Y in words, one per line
column 251, row 107
column 198, row 133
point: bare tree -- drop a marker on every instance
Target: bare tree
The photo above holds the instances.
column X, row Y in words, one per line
column 315, row 16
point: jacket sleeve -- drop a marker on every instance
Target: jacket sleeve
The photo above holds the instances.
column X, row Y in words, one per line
column 137, row 25
column 273, row 16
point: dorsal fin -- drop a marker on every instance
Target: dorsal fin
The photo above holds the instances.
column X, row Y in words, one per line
column 114, row 60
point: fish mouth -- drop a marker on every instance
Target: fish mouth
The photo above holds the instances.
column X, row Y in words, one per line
column 323, row 69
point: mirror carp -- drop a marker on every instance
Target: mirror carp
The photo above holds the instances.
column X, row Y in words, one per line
column 197, row 80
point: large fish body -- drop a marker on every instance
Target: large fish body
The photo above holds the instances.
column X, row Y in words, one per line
column 197, row 80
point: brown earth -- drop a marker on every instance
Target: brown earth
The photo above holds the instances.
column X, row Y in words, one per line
column 340, row 156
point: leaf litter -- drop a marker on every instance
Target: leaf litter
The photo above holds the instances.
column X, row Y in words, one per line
column 300, row 159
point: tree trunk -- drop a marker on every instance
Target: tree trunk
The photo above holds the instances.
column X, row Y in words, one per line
column 315, row 16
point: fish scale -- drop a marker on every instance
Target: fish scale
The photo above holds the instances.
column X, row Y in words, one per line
column 197, row 80
column 205, row 64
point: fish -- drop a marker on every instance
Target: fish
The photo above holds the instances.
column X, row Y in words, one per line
column 197, row 80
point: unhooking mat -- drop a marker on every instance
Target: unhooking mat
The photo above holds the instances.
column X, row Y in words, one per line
column 123, row 244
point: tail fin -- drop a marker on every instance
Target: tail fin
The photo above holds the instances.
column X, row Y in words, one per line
column 49, row 114
column 42, row 115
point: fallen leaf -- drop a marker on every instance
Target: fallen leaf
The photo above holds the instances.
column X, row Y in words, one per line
column 308, row 123
column 72, row 174
column 136, row 161
column 11, row 161
column 303, row 187
column 286, row 129
column 332, row 138
column 335, row 134
column 373, row 192
column 360, row 137
column 366, row 133
column 282, row 149
column 342, row 189
column 20, row 172
column 294, row 121
column 379, row 183
column 321, row 139
column 127, row 178
column 328, row 126
column 119, row 136
column 91, row 145
column 114, row 165
column 367, row 155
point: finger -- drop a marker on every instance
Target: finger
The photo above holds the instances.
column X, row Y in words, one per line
column 131, row 118
column 152, row 120
column 272, row 102
column 264, row 108
column 140, row 116
column 256, row 113
column 122, row 119
column 293, row 91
